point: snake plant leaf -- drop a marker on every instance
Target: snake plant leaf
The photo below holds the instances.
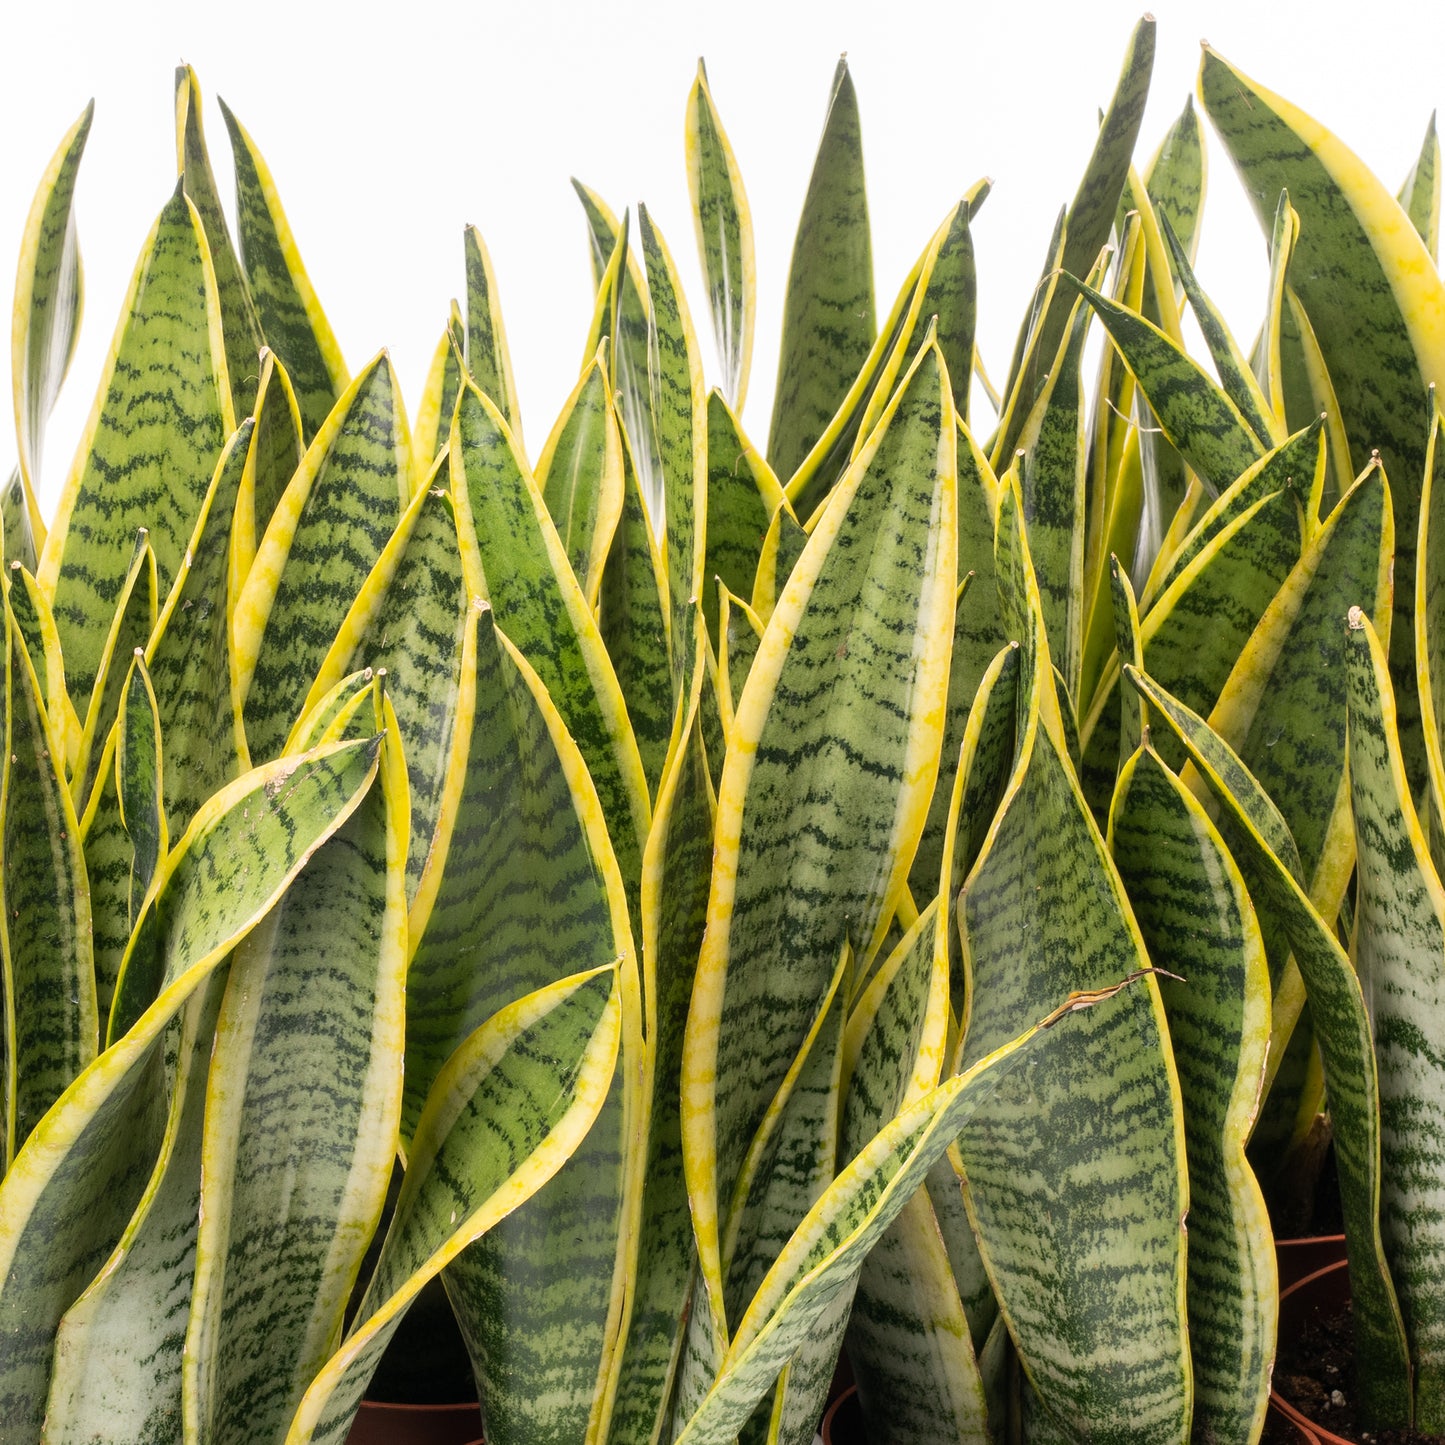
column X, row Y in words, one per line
column 118, row 1353
column 295, row 326
column 514, row 1104
column 792, row 1161
column 51, row 1027
column 909, row 1338
column 938, row 292
column 1134, row 715
column 139, row 783
column 580, row 474
column 512, row 555
column 328, row 530
column 339, row 714
column 606, row 302
column 489, row 363
column 1198, row 924
column 821, row 1261
column 742, row 496
column 1398, row 944
column 1093, row 1284
column 1430, row 621
column 278, row 448
column 240, row 324
column 1259, row 842
column 1309, row 393
column 162, row 415
column 828, row 316
column 630, row 322
column 15, row 525
column 1084, row 231
column 977, row 637
column 633, row 618
column 676, row 869
column 680, row 409
column 1229, row 361
column 1198, row 417
column 792, row 1156
column 131, row 628
column 742, row 631
column 783, row 544
column 1374, row 299
column 1297, row 464
column 1195, row 632
column 35, row 625
column 724, row 238
column 1052, row 470
column 526, row 877
column 1420, row 195
column 439, row 396
column 49, row 295
column 69, row 1194
column 409, row 621
column 1268, row 357
column 189, row 657
column 1283, row 706
column 850, row 679
column 301, row 1110
column 1177, row 176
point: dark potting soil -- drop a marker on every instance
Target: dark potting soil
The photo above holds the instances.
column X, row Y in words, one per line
column 1315, row 1372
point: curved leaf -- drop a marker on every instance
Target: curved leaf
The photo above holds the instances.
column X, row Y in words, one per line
column 488, row 361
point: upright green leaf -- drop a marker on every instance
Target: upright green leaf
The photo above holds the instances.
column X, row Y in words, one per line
column 50, row 1023
column 1430, row 623
column 1090, row 1278
column 675, row 874
column 1176, row 178
column 488, row 361
column 279, row 446
column 525, row 875
column 1399, row 954
column 724, row 238
column 680, row 402
column 742, row 494
column 118, row 1350
column 68, row 1196
column 49, row 292
column 828, row 319
column 409, row 621
column 162, row 415
column 1085, row 228
column 1259, row 842
column 439, row 396
column 1375, row 301
column 633, row 618
column 580, row 474
column 189, row 656
column 848, row 685
column 1198, row 924
column 327, row 532
column 240, row 325
column 130, row 630
column 512, row 556
column 1420, row 195
column 296, row 327
column 515, row 1103
column 302, row 1103
column 139, row 774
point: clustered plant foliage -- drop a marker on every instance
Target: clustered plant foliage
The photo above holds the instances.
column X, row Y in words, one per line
column 871, row 890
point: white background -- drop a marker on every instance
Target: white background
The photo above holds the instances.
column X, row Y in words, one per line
column 390, row 126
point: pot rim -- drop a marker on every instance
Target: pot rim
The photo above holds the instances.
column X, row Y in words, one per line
column 1310, row 1429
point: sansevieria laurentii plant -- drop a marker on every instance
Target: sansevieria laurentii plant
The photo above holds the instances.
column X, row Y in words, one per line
column 910, row 886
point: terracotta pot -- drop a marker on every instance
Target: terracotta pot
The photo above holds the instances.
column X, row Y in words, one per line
column 1299, row 1257
column 843, row 1424
column 1324, row 1288
column 378, row 1423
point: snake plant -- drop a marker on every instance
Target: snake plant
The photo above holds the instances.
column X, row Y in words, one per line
column 907, row 886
